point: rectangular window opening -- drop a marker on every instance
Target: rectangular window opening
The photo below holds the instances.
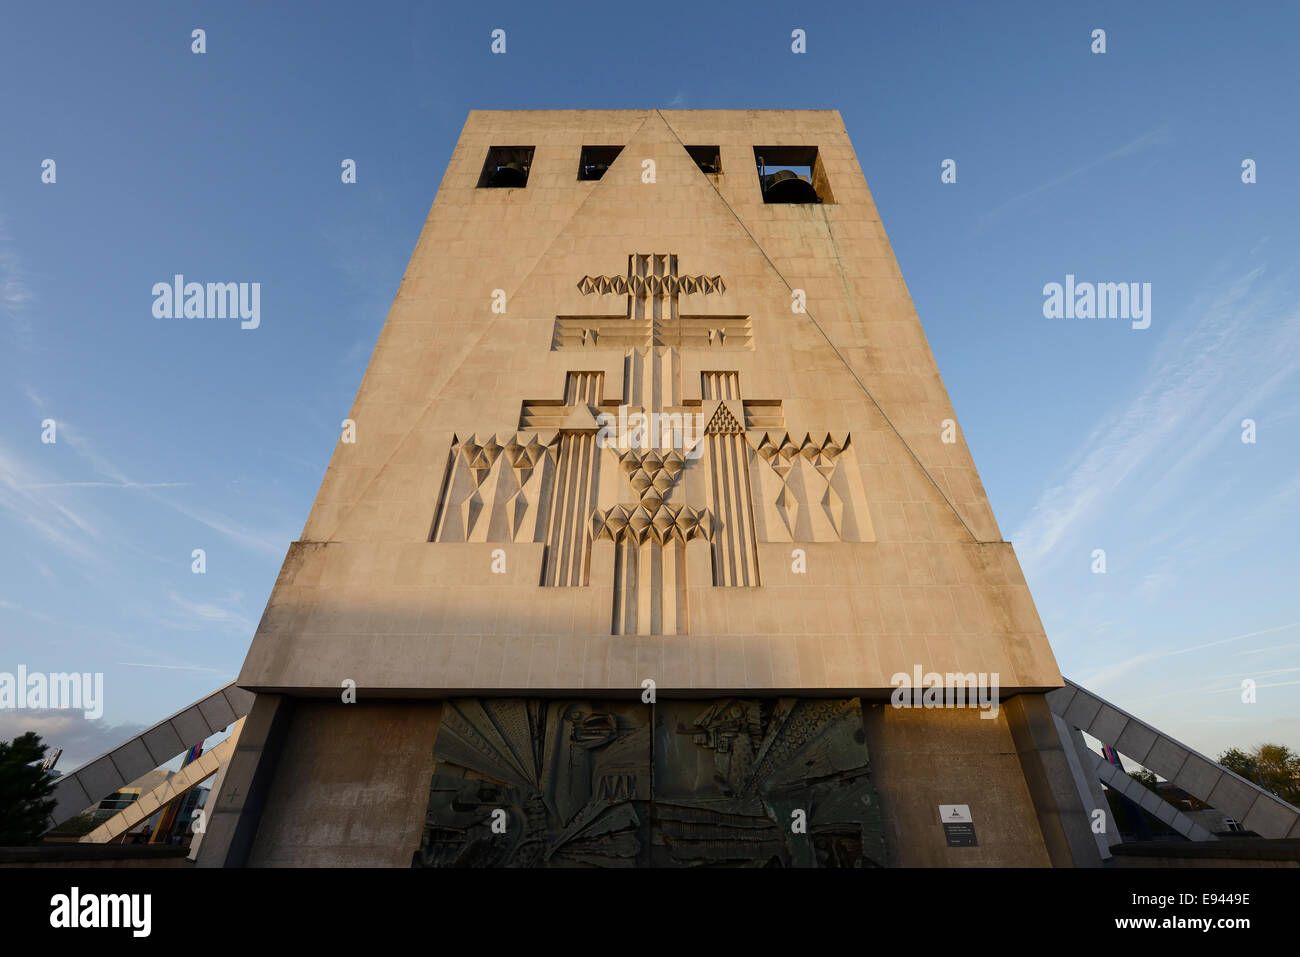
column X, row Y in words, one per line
column 707, row 158
column 506, row 167
column 595, row 160
column 792, row 175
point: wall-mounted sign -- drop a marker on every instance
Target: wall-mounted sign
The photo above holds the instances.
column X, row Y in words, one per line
column 958, row 826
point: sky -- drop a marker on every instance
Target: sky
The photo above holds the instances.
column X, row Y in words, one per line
column 1122, row 166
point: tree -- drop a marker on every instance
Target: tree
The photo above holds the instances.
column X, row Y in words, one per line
column 1146, row 779
column 77, row 826
column 24, row 788
column 1274, row 767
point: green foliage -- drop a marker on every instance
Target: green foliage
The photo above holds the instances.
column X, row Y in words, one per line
column 77, row 826
column 24, row 789
column 1145, row 778
column 1274, row 767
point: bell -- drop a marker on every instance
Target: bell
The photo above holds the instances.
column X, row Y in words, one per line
column 785, row 186
column 512, row 174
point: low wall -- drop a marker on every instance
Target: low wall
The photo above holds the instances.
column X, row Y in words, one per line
column 1228, row 852
column 94, row 855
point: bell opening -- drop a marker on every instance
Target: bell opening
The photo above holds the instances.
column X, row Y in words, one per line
column 707, row 158
column 595, row 161
column 791, row 175
column 506, row 167
column 789, row 186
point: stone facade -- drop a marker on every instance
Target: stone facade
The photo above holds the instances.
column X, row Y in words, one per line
column 916, row 573
column 498, row 527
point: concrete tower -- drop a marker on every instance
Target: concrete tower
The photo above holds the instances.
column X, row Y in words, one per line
column 650, row 491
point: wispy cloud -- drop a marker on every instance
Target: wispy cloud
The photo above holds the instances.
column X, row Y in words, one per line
column 1226, row 359
column 30, row 496
column 254, row 539
column 30, row 613
column 108, row 485
column 1118, row 669
column 56, row 523
column 1237, row 687
column 1267, row 673
column 251, row 538
column 142, row 664
column 1155, row 137
column 15, row 291
column 1260, row 651
column 202, row 613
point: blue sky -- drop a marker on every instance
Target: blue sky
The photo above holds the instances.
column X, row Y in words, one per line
column 1120, row 167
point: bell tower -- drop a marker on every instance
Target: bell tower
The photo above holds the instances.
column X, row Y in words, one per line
column 649, row 509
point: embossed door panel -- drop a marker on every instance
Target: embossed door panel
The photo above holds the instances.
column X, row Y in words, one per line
column 725, row 783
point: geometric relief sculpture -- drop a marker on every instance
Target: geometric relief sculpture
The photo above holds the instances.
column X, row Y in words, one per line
column 650, row 537
column 577, row 480
column 568, row 542
column 673, row 784
column 652, row 287
column 497, row 490
column 730, row 773
column 749, row 480
column 735, row 552
column 808, row 490
column 535, row 485
column 572, row 778
column 651, row 275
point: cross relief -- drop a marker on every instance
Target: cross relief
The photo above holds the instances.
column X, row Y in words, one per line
column 654, row 473
column 651, row 317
